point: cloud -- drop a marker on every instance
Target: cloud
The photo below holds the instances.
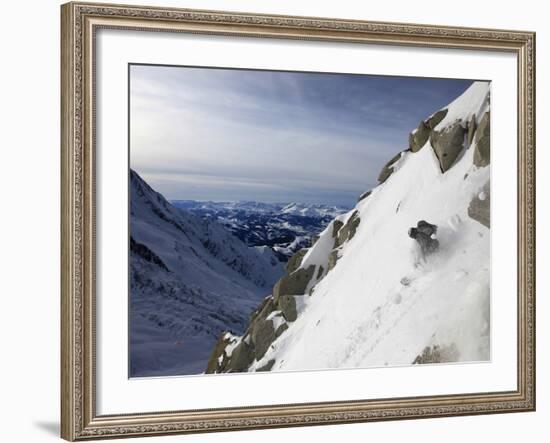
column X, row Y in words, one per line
column 279, row 136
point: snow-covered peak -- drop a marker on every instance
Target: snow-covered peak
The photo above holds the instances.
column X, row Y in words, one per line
column 474, row 101
column 311, row 210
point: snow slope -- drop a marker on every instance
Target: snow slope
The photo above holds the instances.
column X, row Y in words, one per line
column 381, row 303
column 189, row 280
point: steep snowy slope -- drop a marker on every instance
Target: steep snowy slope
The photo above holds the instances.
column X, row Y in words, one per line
column 363, row 295
column 189, row 280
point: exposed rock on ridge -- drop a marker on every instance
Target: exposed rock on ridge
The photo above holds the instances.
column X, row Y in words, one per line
column 480, row 206
column 482, row 153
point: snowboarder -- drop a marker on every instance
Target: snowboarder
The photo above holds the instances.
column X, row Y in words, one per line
column 424, row 234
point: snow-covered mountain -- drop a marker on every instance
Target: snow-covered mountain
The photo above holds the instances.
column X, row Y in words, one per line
column 190, row 279
column 283, row 227
column 311, row 210
column 363, row 295
column 254, row 207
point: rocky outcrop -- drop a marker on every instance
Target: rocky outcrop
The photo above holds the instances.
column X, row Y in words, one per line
column 336, row 225
column 332, row 259
column 387, row 170
column 287, row 304
column 240, row 358
column 267, row 322
column 320, row 272
column 482, row 152
column 294, row 283
column 267, row 366
column 348, row 230
column 480, row 206
column 448, row 144
column 364, row 195
column 437, row 354
column 230, row 355
column 295, row 261
column 262, row 335
column 419, row 137
column 236, row 354
column 437, row 118
column 217, row 356
column 472, row 126
column 343, row 234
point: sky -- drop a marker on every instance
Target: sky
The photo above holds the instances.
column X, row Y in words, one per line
column 273, row 136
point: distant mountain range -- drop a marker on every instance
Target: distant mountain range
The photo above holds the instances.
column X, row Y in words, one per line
column 283, row 227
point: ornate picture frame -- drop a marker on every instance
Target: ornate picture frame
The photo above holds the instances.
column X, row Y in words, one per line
column 80, row 23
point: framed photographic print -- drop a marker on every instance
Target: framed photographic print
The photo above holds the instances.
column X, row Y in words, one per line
column 280, row 221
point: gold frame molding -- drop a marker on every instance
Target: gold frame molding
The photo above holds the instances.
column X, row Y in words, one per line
column 79, row 22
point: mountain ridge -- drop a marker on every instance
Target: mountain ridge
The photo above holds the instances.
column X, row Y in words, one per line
column 362, row 295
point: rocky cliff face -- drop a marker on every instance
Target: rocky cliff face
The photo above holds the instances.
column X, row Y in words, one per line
column 360, row 295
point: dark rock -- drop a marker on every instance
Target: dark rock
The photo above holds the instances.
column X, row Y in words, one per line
column 282, row 328
column 267, row 366
column 387, row 170
column 336, row 225
column 482, row 153
column 287, row 305
column 435, row 119
column 418, row 138
column 348, row 230
column 293, row 284
column 448, row 144
column 472, row 126
column 480, row 209
column 265, row 308
column 241, row 358
column 262, row 334
column 320, row 272
column 364, row 195
column 295, row 261
column 332, row 259
column 213, row 365
column 437, row 354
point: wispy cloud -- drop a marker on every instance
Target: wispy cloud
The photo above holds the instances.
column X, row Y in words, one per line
column 273, row 136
